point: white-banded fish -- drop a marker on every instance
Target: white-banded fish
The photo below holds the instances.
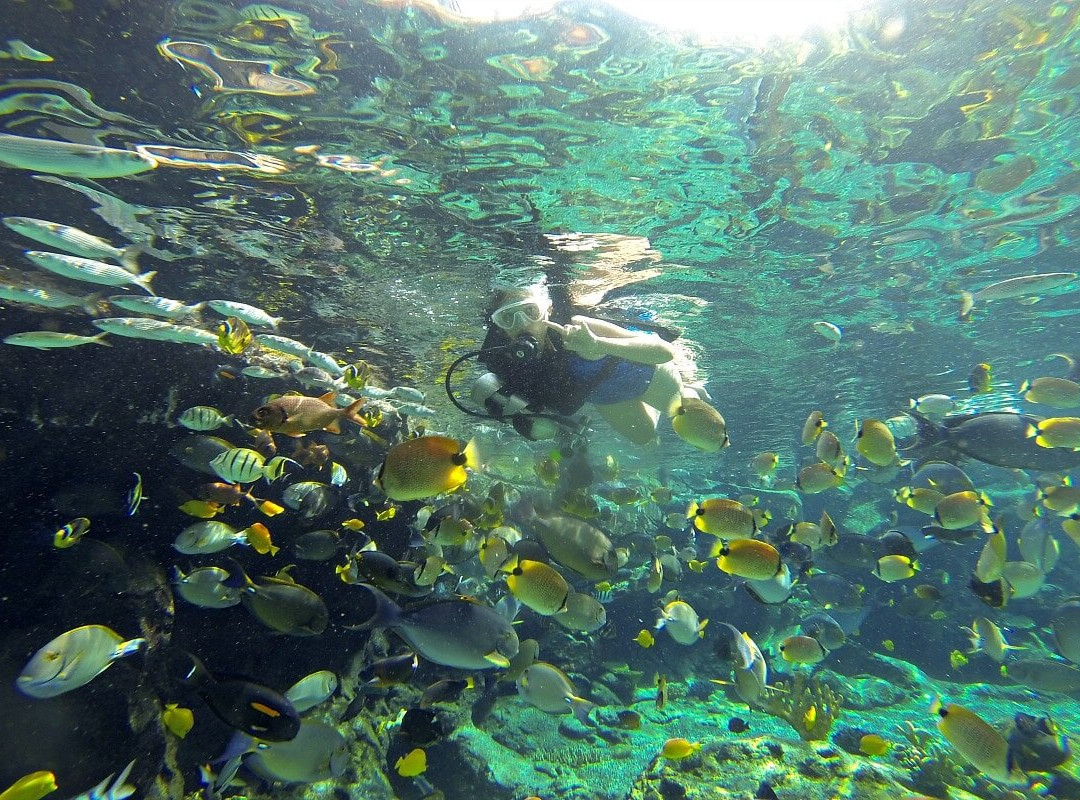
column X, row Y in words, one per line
column 89, row 270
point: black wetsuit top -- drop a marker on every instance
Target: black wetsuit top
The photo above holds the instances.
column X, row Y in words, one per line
column 545, row 381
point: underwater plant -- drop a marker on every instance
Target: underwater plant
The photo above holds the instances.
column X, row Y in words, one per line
column 808, row 704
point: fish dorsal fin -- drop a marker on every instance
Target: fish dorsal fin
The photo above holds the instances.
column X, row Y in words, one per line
column 329, row 398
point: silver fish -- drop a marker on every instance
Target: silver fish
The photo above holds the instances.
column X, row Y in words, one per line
column 73, row 659
column 89, row 270
column 74, row 241
column 50, row 340
column 249, row 314
column 47, row 298
column 155, row 306
column 1024, row 286
column 56, row 157
column 312, row 690
column 283, row 344
column 204, row 587
column 155, row 329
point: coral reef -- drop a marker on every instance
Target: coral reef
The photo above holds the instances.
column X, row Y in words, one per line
column 808, row 704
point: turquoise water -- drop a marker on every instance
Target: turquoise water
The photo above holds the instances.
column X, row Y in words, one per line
column 370, row 172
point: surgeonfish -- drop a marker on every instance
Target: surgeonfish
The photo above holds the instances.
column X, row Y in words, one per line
column 110, row 789
column 318, row 752
column 575, row 544
column 699, row 424
column 424, row 467
column 412, row 764
column 681, row 622
column 582, row 613
column 987, row 637
column 249, row 707
column 312, row 690
column 996, row 437
column 546, row 687
column 281, row 605
column 391, row 670
column 977, row 742
column 205, row 587
column 454, row 633
column 73, row 659
column 213, row 536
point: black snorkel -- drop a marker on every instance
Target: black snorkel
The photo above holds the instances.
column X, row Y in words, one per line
column 502, row 406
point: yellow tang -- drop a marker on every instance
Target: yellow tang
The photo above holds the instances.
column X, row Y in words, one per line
column 749, row 558
column 386, row 513
column 678, row 749
column 809, row 718
column 873, row 745
column 353, row 524
column 412, row 764
column 539, row 586
column 31, row 787
column 258, row 537
column 201, row 509
column 875, row 443
column 645, row 639
column 424, row 467
column 179, row 721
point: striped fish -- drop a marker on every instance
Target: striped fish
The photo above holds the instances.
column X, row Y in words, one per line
column 86, row 269
column 240, row 465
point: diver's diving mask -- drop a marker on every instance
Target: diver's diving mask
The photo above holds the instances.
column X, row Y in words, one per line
column 519, row 314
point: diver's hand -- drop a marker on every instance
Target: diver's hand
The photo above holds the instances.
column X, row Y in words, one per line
column 579, row 339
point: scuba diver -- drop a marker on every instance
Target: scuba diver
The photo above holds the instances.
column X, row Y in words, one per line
column 542, row 372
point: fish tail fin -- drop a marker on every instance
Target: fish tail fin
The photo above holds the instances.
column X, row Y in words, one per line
column 386, row 613
column 129, row 647
column 581, row 709
column 974, row 640
column 119, row 789
column 90, row 303
column 129, row 257
column 472, row 455
column 238, row 579
column 927, row 431
column 143, row 281
column 352, row 412
column 967, row 305
column 100, row 339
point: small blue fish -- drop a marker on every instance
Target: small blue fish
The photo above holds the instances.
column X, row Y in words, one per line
column 135, row 496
